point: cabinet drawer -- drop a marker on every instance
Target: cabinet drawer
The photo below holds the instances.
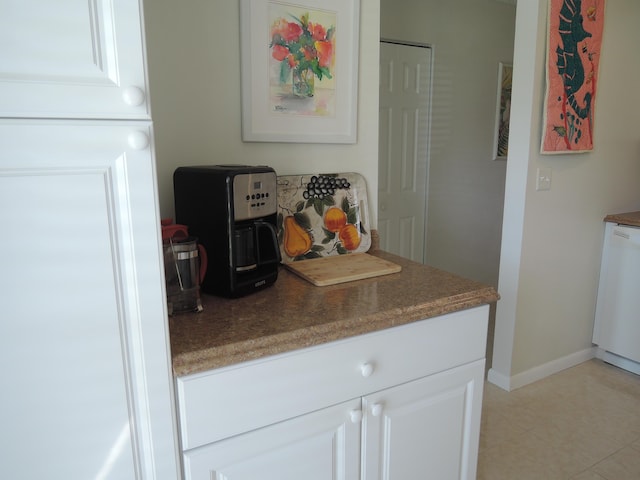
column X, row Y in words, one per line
column 225, row 402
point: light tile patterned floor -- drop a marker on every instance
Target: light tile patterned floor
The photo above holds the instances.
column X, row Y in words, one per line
column 580, row 424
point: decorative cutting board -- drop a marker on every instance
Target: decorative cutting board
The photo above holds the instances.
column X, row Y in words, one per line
column 342, row 268
column 322, row 215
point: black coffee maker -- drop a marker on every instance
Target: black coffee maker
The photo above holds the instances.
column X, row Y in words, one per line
column 232, row 209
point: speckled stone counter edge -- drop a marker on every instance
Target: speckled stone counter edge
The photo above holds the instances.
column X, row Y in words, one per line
column 204, row 350
column 220, row 356
column 629, row 218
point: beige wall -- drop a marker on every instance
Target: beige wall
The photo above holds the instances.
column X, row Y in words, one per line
column 552, row 240
column 466, row 185
column 194, row 70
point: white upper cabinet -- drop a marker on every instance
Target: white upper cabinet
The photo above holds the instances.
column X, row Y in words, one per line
column 72, row 59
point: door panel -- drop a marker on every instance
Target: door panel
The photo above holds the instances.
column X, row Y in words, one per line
column 324, row 445
column 81, row 287
column 405, row 79
column 72, row 59
column 428, row 428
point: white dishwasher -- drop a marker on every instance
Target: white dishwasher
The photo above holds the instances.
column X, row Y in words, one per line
column 617, row 322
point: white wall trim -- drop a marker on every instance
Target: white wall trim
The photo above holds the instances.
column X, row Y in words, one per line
column 541, row 371
column 499, row 379
column 618, row 361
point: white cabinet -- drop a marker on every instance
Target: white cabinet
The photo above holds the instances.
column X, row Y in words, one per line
column 399, row 403
column 72, row 59
column 321, row 445
column 83, row 334
column 425, row 429
column 83, row 337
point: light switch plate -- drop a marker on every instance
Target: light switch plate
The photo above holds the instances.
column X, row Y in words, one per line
column 543, row 179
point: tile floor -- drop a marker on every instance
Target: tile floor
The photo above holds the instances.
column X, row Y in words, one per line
column 581, row 424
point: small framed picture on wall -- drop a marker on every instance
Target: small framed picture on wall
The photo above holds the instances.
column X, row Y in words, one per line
column 503, row 110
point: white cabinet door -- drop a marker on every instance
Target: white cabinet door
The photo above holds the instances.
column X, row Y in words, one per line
column 72, row 59
column 323, row 445
column 427, row 429
column 83, row 340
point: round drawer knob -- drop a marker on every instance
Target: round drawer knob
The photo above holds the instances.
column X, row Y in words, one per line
column 138, row 140
column 133, row 96
column 376, row 409
column 356, row 416
column 366, row 369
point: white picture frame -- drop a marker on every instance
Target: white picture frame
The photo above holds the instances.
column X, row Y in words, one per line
column 271, row 110
column 503, row 109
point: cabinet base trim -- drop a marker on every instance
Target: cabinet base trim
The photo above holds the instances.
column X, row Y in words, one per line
column 618, row 361
column 541, row 371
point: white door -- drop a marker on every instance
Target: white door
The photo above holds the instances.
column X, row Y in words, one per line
column 405, row 90
column 427, row 429
column 72, row 59
column 324, row 445
column 83, row 337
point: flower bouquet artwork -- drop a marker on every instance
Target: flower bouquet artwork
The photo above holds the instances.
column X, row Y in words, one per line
column 299, row 70
column 302, row 60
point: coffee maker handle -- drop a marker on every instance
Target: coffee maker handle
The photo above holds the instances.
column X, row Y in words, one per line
column 204, row 262
column 274, row 243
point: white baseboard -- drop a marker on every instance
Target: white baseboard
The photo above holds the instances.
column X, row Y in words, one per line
column 541, row 371
column 618, row 361
column 498, row 379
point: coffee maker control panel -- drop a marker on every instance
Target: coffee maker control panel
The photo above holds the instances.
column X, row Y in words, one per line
column 254, row 195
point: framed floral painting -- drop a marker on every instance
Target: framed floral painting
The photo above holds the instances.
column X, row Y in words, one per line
column 299, row 70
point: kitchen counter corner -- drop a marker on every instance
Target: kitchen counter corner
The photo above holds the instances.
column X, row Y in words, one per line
column 294, row 314
column 628, row 218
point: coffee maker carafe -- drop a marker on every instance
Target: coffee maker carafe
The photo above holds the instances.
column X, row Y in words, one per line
column 232, row 209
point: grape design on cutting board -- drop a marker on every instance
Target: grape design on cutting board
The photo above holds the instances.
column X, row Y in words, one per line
column 320, row 186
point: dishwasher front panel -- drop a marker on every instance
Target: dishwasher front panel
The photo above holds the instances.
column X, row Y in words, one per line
column 617, row 322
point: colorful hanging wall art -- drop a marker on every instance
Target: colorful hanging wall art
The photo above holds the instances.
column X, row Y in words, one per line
column 299, row 70
column 573, row 56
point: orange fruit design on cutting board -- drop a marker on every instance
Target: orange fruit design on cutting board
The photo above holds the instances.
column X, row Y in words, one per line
column 349, row 236
column 334, row 219
column 297, row 240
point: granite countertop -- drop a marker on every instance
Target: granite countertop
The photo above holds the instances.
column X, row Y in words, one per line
column 629, row 218
column 293, row 314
